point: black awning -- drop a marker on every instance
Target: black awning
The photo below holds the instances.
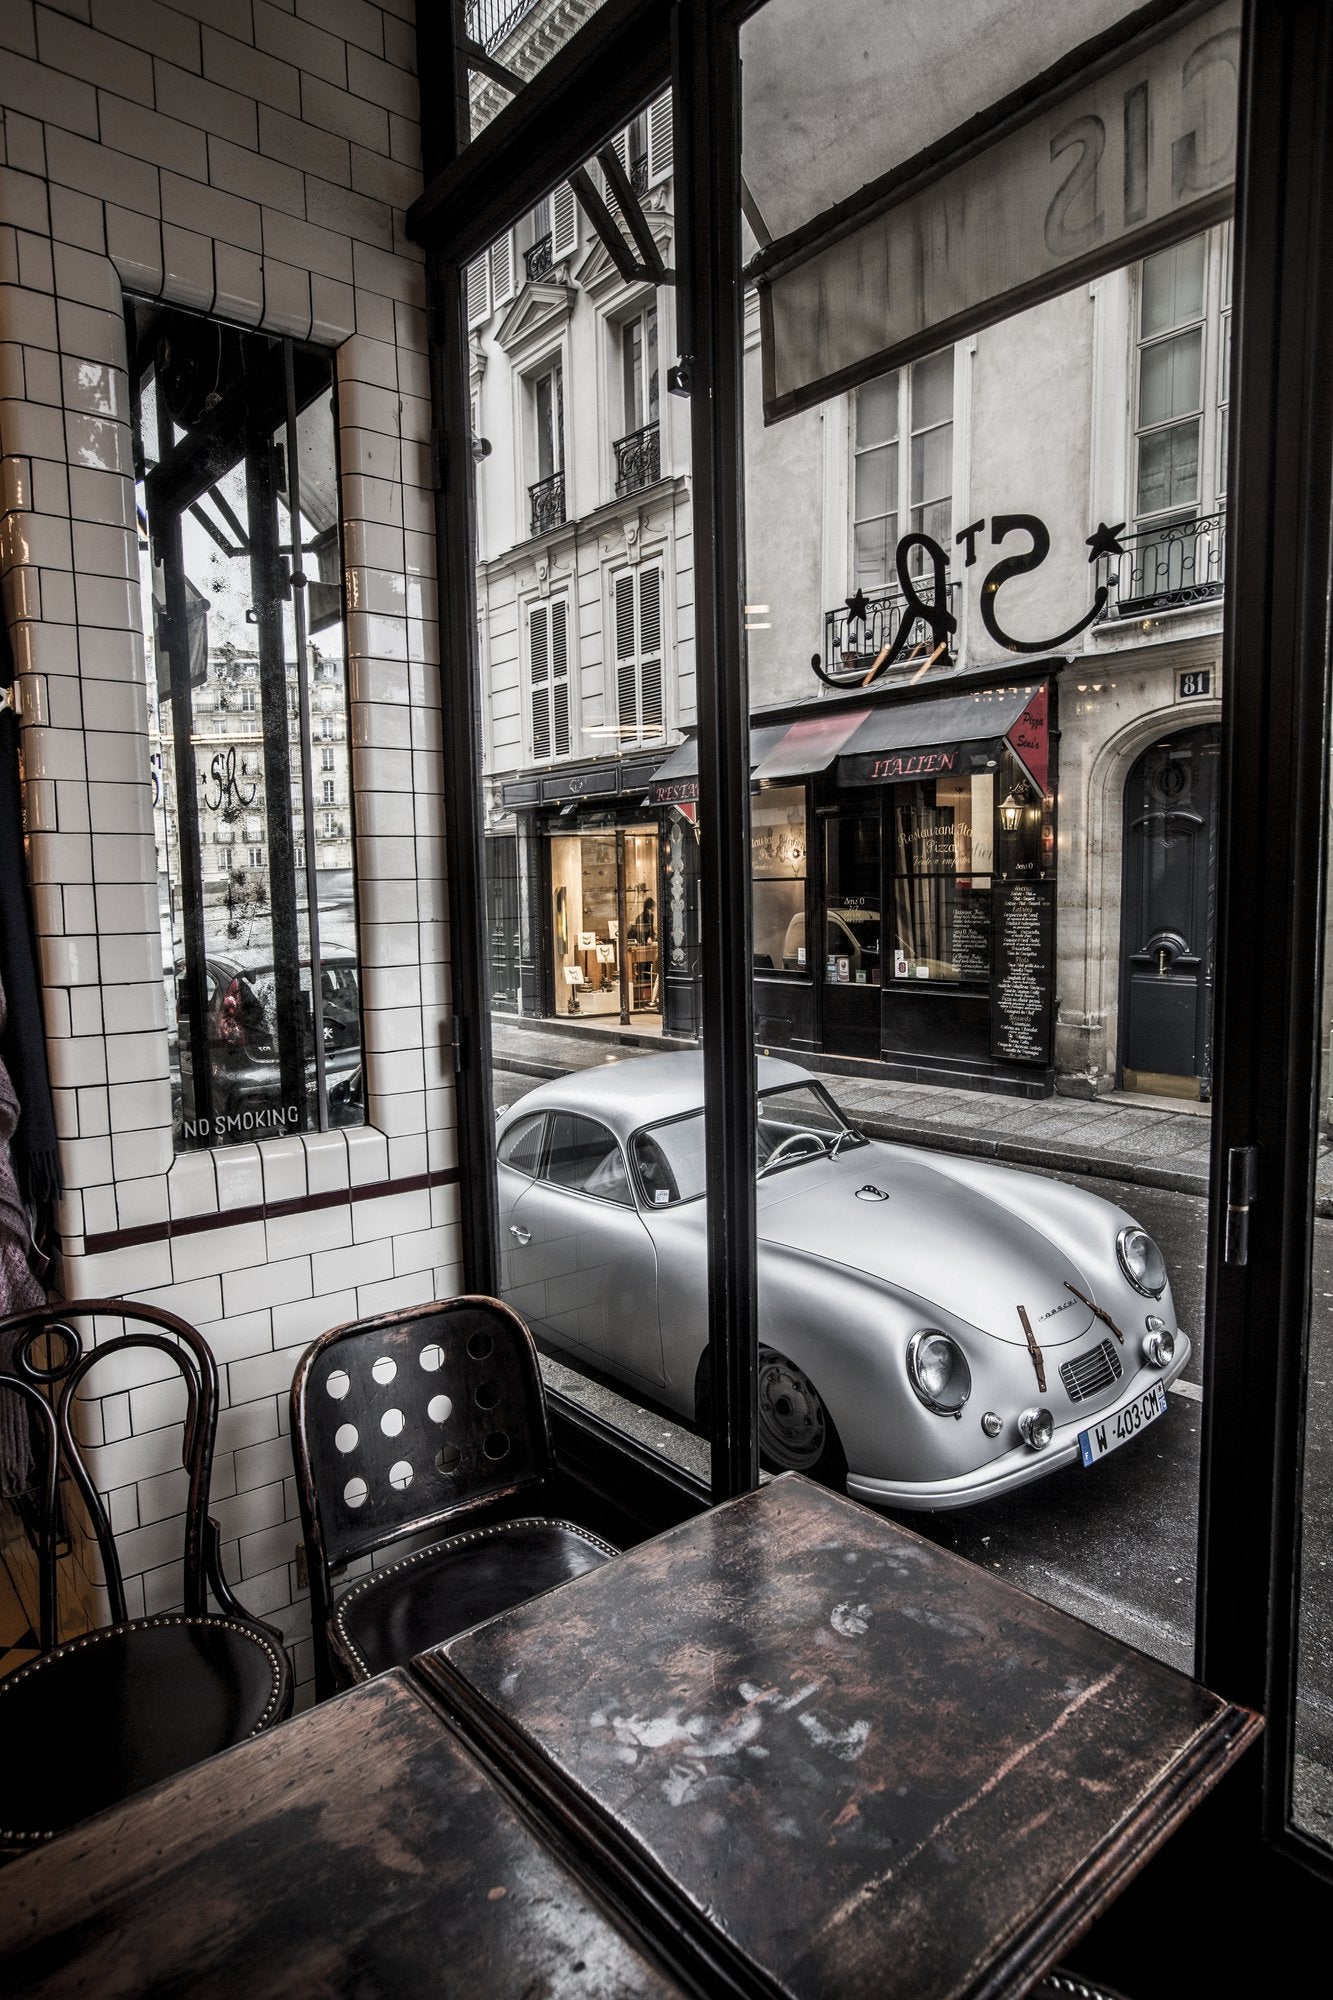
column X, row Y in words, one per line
column 961, row 733
column 676, row 782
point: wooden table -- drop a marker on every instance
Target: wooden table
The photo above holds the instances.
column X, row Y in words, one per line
column 358, row 1849
column 831, row 1759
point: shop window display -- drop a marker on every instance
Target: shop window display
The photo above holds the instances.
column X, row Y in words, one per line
column 604, row 921
column 778, row 847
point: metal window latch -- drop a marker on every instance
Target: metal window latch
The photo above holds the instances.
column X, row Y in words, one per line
column 1242, row 1189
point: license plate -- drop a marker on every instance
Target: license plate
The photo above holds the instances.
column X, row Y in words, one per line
column 1098, row 1439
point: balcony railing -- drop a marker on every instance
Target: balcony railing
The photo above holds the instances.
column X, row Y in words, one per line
column 638, row 175
column 638, row 459
column 547, row 500
column 538, row 261
column 489, row 21
column 851, row 654
column 1162, row 567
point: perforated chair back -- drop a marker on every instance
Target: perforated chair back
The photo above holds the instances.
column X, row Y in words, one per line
column 56, row 1349
column 411, row 1422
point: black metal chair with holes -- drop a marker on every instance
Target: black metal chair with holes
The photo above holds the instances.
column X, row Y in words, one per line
column 406, row 1426
column 109, row 1712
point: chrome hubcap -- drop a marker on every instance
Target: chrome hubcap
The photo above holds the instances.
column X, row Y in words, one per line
column 791, row 1416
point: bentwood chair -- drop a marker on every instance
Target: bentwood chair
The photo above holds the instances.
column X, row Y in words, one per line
column 415, row 1424
column 88, row 1722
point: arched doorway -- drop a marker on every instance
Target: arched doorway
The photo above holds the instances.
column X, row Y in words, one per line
column 1168, row 916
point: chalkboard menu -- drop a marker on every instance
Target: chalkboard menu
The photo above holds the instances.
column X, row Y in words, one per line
column 970, row 933
column 1021, row 978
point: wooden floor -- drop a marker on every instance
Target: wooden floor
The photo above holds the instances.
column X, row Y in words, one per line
column 18, row 1641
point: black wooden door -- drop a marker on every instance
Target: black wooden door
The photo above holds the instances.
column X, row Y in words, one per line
column 1169, row 915
column 502, row 919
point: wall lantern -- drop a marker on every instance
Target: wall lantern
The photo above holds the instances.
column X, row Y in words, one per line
column 1011, row 812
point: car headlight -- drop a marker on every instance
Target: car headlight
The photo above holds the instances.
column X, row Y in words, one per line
column 1036, row 1427
column 1141, row 1261
column 938, row 1372
column 1159, row 1343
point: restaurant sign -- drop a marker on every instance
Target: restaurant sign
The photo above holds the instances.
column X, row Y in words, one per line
column 1138, row 150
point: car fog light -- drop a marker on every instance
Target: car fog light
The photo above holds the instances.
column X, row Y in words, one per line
column 1159, row 1347
column 938, row 1372
column 1036, row 1427
column 1141, row 1261
column 991, row 1424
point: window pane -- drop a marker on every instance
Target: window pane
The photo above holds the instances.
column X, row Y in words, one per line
column 932, row 464
column 1172, row 285
column 1171, row 378
column 932, row 390
column 875, row 542
column 778, row 846
column 592, row 923
column 877, row 482
column 256, row 896
column 520, row 36
column 1168, row 468
column 877, row 411
column 1002, row 979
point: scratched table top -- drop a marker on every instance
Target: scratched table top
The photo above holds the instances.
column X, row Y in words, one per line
column 359, row 1849
column 839, row 1759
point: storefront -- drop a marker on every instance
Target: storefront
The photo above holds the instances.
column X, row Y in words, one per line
column 598, row 879
column 914, row 839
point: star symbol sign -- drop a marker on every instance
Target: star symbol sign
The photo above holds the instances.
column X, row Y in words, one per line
column 856, row 609
column 1106, row 541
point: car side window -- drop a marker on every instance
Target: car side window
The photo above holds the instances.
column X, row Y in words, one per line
column 586, row 1157
column 521, row 1146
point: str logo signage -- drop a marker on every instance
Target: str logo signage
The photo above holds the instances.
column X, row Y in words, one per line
column 925, row 595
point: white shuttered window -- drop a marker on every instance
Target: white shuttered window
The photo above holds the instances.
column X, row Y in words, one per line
column 564, row 222
column 548, row 678
column 661, row 146
column 638, row 622
column 478, row 289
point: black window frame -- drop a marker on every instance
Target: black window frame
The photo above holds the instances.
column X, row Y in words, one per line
column 1276, row 651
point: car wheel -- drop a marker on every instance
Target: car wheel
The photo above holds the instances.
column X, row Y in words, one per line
column 796, row 1432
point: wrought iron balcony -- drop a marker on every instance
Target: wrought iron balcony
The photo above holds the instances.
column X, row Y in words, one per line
column 1162, row 567
column 547, row 500
column 638, row 459
column 489, row 21
column 638, row 175
column 538, row 261
column 852, row 647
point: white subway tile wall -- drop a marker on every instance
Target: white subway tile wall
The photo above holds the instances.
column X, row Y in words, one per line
column 251, row 161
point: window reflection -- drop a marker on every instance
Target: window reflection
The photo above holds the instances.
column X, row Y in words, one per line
column 242, row 590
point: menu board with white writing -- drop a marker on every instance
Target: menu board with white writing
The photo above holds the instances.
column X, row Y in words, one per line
column 969, row 932
column 1023, row 933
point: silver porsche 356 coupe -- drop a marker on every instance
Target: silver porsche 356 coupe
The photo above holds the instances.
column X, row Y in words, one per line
column 933, row 1330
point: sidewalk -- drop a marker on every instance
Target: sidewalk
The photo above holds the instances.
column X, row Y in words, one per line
column 1121, row 1137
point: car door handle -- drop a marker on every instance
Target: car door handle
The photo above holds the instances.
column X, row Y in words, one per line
column 520, row 1235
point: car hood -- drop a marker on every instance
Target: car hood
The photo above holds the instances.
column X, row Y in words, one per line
column 934, row 1237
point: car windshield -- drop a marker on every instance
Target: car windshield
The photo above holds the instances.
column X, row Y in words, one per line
column 797, row 1121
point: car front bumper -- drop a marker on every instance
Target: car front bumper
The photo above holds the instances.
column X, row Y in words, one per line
column 1014, row 1468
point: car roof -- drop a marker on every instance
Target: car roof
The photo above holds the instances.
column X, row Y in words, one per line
column 643, row 1089
column 250, row 959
